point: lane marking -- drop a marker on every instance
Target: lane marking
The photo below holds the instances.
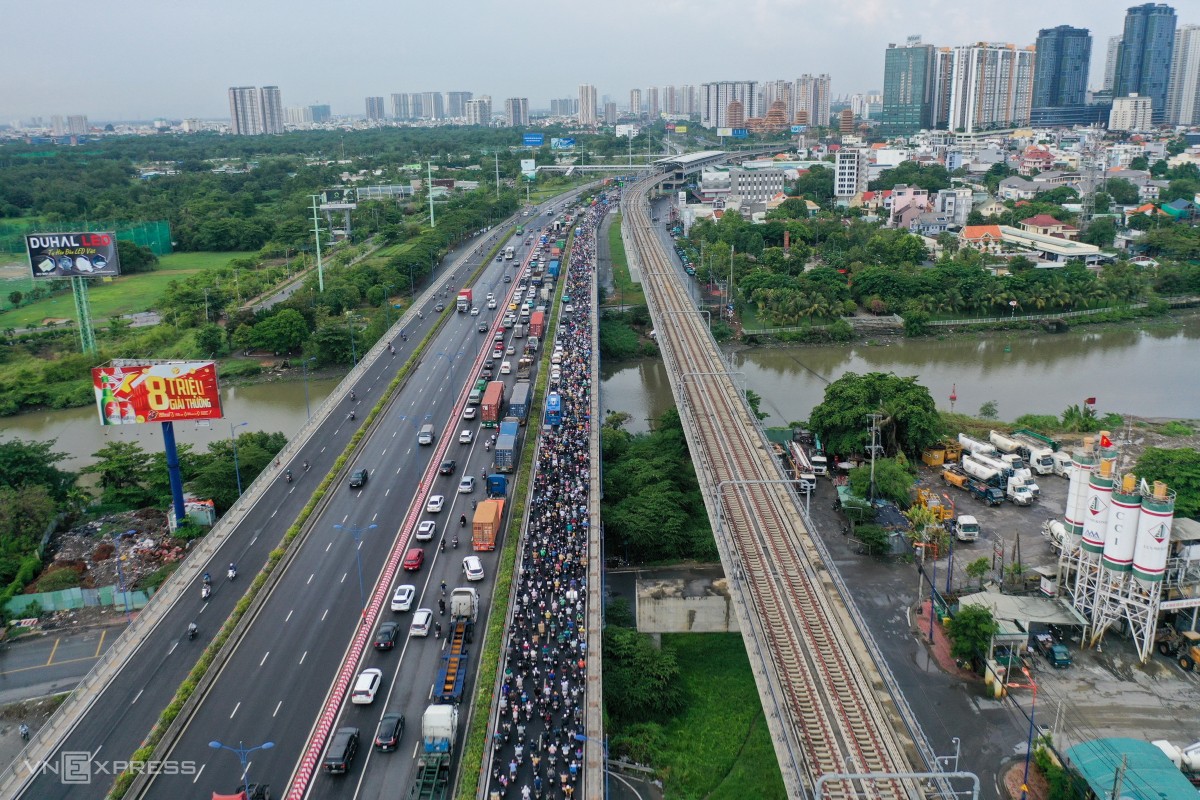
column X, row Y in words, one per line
column 235, row 709
column 53, row 650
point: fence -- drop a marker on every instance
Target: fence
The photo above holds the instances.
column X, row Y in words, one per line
column 154, row 235
column 71, row 599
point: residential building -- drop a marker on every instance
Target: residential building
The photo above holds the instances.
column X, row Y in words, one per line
column 652, row 106
column 245, row 112
column 907, row 88
column 1183, row 94
column 1110, row 63
column 778, row 90
column 416, row 105
column 456, row 104
column 516, row 112
column 1060, row 76
column 1132, row 113
column 610, row 113
column 479, row 111
column 1046, row 225
column 907, row 203
column 811, row 93
column 77, row 124
column 432, row 106
column 716, row 97
column 635, row 103
column 1035, row 158
column 756, row 185
column 930, row 223
column 1015, row 188
column 400, row 107
column 1144, row 57
column 271, row 103
column 954, row 203
column 587, row 104
column 849, row 173
column 985, row 238
column 984, row 86
column 320, row 113
column 375, row 108
column 686, row 100
column 564, row 107
column 298, row 115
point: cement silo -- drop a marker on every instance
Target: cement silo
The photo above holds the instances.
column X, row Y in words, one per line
column 1122, row 525
column 1153, row 543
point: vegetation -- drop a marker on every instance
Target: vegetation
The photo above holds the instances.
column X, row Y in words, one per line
column 908, row 422
column 893, row 480
column 1180, row 470
column 626, row 291
column 971, row 629
column 625, row 334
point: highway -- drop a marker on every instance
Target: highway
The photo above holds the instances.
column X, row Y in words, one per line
column 120, row 716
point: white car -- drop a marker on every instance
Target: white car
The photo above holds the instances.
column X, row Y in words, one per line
column 469, row 412
column 511, row 350
column 491, row 296
column 505, row 367
column 466, row 436
column 466, row 485
column 474, row 311
column 402, row 598
column 426, row 530
column 491, row 303
column 435, row 504
column 365, row 687
column 422, row 621
column 473, row 568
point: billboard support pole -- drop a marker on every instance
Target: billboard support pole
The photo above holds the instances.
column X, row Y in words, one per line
column 87, row 336
column 317, row 234
column 168, row 430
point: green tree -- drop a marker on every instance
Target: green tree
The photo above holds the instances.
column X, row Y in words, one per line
column 817, row 185
column 24, row 465
column 892, row 480
column 1122, row 192
column 989, row 410
column 123, row 470
column 909, row 419
column 1139, row 163
column 643, row 682
column 284, row 332
column 24, row 516
column 971, row 631
column 753, row 399
column 134, row 257
column 210, row 340
column 978, row 569
column 1101, row 232
column 15, row 298
column 1180, row 470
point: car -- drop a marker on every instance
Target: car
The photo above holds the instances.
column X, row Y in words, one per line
column 470, row 412
column 512, row 306
column 385, row 637
column 508, row 278
column 466, row 437
column 489, row 364
column 510, row 351
column 440, row 307
column 414, row 559
column 448, row 466
column 474, row 311
column 342, row 747
column 366, row 685
column 426, row 530
column 473, row 568
column 359, row 479
column 507, row 323
column 402, row 598
column 500, row 257
column 422, row 621
column 391, row 728
column 499, row 337
column 505, row 367
column 491, row 296
column 483, row 326
column 491, row 303
column 497, row 353
column 486, row 374
column 435, row 503
column 466, row 485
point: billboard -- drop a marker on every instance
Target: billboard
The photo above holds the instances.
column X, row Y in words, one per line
column 528, row 167
column 724, row 131
column 533, row 139
column 799, row 128
column 73, row 255
column 740, row 133
column 681, row 128
column 164, row 392
column 562, row 144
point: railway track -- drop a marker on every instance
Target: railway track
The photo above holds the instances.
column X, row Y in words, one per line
column 826, row 704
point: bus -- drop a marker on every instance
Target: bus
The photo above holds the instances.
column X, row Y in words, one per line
column 509, row 252
column 553, row 409
column 520, row 231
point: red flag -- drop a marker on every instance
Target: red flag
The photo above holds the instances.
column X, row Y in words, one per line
column 1105, row 441
column 1091, row 401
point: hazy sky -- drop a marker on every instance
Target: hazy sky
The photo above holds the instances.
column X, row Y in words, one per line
column 140, row 59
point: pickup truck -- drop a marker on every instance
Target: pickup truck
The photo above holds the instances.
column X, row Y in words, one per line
column 1055, row 653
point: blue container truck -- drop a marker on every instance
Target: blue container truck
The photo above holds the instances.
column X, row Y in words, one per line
column 518, row 403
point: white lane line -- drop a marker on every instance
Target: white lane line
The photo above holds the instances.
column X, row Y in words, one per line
column 235, row 709
column 303, row 656
column 310, row 578
column 202, row 766
column 136, row 696
column 328, row 546
column 277, row 707
column 343, row 580
column 264, row 658
column 289, row 616
column 326, row 614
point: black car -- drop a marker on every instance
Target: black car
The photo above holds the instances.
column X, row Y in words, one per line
column 489, row 364
column 483, row 326
column 448, row 466
column 508, row 278
column 440, row 307
column 358, row 479
column 487, row 374
column 391, row 728
column 342, row 748
column 385, row 637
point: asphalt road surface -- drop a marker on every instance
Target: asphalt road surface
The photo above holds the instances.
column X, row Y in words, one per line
column 52, row 662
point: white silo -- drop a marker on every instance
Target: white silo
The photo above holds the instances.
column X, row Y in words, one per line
column 1122, row 525
column 1082, row 464
column 1099, row 504
column 1153, row 544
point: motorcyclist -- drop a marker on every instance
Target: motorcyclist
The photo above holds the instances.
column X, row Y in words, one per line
column 232, row 572
column 207, row 579
column 454, row 541
column 351, row 415
column 437, row 630
column 352, row 395
column 191, row 630
column 205, row 592
column 289, row 475
column 24, row 731
column 462, row 521
column 306, row 466
column 442, row 544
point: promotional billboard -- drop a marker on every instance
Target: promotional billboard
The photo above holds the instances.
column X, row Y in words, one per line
column 166, row 392
column 528, row 167
column 73, row 255
column 533, row 139
column 724, row 131
column 799, row 128
column 740, row 133
column 562, row 144
column 681, row 128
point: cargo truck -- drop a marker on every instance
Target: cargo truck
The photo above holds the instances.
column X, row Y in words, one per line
column 1062, row 464
column 553, row 269
column 974, row 446
column 980, row 490
column 464, row 300
column 518, row 331
column 1055, row 653
column 1018, row 493
column 506, row 445
column 486, row 524
column 522, row 393
column 497, row 486
column 439, row 729
column 1005, row 444
column 476, row 395
column 966, row 529
column 988, row 473
column 464, row 610
column 493, row 404
column 1037, row 455
column 537, row 324
column 525, row 365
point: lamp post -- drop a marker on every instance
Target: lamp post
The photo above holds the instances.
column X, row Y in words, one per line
column 579, row 737
column 304, row 366
column 233, row 438
column 1029, row 743
column 243, row 753
column 117, row 537
column 357, row 531
column 350, row 327
column 387, row 303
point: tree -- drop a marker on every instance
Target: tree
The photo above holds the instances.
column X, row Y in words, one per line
column 1101, row 232
column 1180, row 470
column 24, row 515
column 123, row 469
column 989, row 410
column 978, row 568
column 909, row 420
column 753, row 399
column 1122, row 192
column 1139, row 163
column 284, row 332
column 210, row 340
column 15, row 298
column 24, row 465
column 643, row 682
column 971, row 631
column 817, row 185
column 892, row 480
column 134, row 257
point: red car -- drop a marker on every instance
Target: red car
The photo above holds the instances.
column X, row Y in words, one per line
column 414, row 559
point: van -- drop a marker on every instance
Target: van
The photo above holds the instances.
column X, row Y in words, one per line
column 807, row 481
column 557, row 357
column 342, row 747
column 426, row 435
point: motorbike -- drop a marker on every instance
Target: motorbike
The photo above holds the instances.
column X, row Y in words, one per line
column 24, row 731
column 454, row 542
column 442, row 544
column 231, row 573
column 205, row 592
column 289, row 476
column 352, row 397
column 207, row 579
column 487, row 447
column 306, row 466
column 191, row 633
column 462, row 521
column 351, row 415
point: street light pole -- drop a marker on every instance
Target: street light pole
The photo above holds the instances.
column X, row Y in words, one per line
column 243, row 753
column 304, row 366
column 353, row 351
column 357, row 531
column 387, row 303
column 120, row 574
column 1029, row 743
column 579, row 737
column 236, row 469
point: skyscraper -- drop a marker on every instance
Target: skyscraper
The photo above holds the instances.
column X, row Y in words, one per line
column 320, row 113
column 516, row 111
column 716, row 97
column 456, row 104
column 635, row 102
column 1060, row 75
column 907, row 88
column 77, row 124
column 610, row 113
column 587, row 104
column 652, row 109
column 271, row 103
column 778, row 90
column 245, row 112
column 400, row 108
column 983, row 87
column 375, row 108
column 1110, row 62
column 479, row 111
column 811, row 94
column 1144, row 58
column 1183, row 95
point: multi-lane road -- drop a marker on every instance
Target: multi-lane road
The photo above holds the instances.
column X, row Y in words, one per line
column 279, row 676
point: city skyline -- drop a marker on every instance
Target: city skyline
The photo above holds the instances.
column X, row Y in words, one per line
column 847, row 43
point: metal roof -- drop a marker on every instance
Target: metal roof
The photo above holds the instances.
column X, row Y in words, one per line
column 691, row 158
column 1149, row 774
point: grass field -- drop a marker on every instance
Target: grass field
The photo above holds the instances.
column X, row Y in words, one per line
column 626, row 291
column 196, row 261
column 719, row 748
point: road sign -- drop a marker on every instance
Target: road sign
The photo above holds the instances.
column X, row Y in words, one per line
column 533, row 139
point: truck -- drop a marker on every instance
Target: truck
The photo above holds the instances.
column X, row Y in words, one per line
column 984, row 492
column 988, row 473
column 439, row 728
column 966, row 528
column 1018, row 493
column 537, row 324
column 523, row 368
column 509, row 252
column 974, row 446
column 1062, row 464
column 1037, row 455
column 476, row 395
column 522, row 393
column 553, row 269
column 485, row 525
column 1055, row 653
column 465, row 298
column 518, row 331
column 1183, row 646
column 493, row 404
column 497, row 486
column 1005, row 444
column 506, row 445
column 464, row 611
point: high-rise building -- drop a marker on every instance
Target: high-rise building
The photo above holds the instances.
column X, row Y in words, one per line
column 610, row 113
column 687, row 99
column 1131, row 113
column 587, row 104
column 564, row 107
column 245, row 112
column 907, row 88
column 456, row 104
column 479, row 111
column 716, row 97
column 849, row 172
column 1060, row 75
column 77, row 124
column 811, row 93
column 652, row 107
column 1110, row 62
column 1183, row 96
column 416, row 105
column 320, row 113
column 983, row 86
column 400, row 110
column 635, row 102
column 375, row 108
column 516, row 112
column 298, row 115
column 778, row 90
column 271, row 102
column 1144, row 58
column 432, row 106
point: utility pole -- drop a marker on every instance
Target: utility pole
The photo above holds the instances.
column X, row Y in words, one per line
column 497, row 176
column 429, row 189
column 874, row 448
column 317, row 234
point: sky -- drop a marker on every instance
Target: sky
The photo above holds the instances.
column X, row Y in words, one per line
column 145, row 59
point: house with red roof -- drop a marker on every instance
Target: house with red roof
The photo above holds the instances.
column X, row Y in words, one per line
column 1047, row 225
column 985, row 238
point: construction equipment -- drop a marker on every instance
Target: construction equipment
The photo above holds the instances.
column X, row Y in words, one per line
column 941, row 505
column 1183, row 646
